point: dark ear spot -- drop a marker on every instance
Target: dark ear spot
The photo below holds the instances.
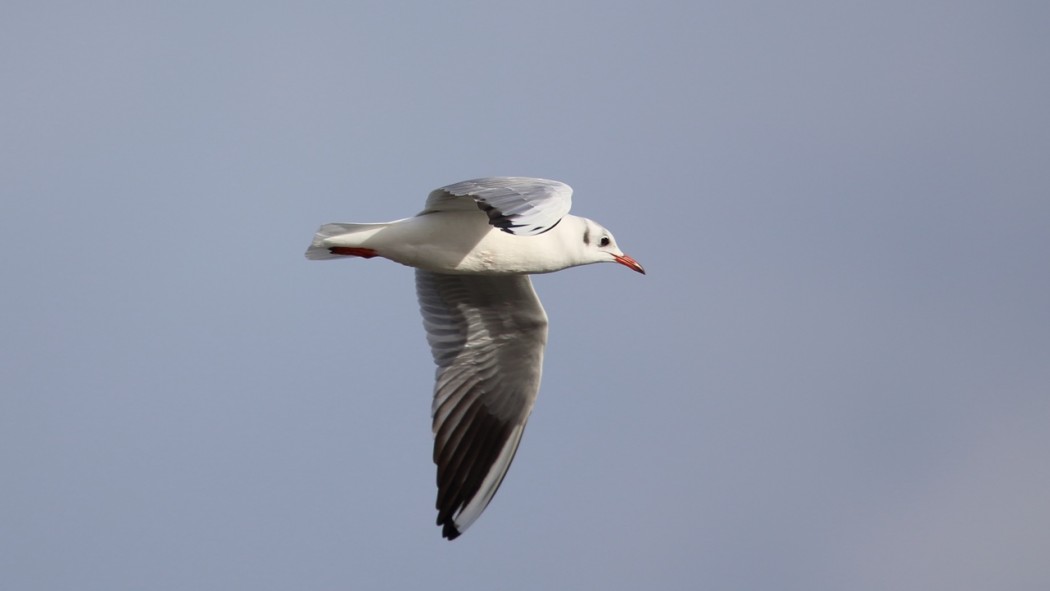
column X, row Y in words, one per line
column 587, row 236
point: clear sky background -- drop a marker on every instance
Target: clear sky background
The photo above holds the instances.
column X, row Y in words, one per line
column 836, row 374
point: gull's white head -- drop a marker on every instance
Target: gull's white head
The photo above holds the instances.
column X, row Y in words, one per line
column 599, row 246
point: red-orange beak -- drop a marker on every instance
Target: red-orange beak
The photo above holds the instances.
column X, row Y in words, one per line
column 629, row 263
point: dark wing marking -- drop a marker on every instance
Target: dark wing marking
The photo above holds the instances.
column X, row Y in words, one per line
column 517, row 205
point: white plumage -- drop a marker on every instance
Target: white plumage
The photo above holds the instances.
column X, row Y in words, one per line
column 473, row 246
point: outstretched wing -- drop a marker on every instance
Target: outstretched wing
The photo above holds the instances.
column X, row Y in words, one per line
column 518, row 205
column 487, row 335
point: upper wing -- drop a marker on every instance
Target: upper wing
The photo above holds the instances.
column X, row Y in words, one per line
column 487, row 335
column 514, row 204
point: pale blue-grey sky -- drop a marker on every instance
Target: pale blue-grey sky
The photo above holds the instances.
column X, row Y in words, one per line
column 836, row 374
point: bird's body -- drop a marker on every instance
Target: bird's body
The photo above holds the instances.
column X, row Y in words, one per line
column 460, row 242
column 474, row 246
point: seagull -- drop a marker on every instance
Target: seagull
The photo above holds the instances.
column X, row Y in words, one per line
column 474, row 246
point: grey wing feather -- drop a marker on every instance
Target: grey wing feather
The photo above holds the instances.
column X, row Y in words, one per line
column 518, row 205
column 487, row 335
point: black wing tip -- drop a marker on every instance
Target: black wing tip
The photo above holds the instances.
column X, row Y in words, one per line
column 507, row 225
column 449, row 530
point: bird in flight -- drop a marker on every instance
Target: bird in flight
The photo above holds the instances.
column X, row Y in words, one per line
column 474, row 246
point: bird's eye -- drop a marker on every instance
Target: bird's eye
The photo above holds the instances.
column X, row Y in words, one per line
column 604, row 241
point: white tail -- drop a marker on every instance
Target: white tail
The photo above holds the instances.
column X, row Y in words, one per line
column 319, row 249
